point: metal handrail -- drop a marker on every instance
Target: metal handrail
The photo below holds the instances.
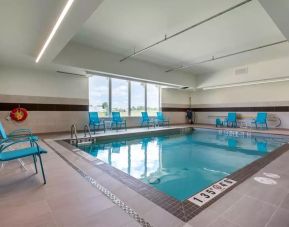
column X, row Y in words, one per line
column 87, row 130
column 73, row 131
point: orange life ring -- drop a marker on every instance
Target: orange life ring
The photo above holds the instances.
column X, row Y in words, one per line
column 18, row 114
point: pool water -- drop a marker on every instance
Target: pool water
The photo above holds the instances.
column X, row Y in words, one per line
column 182, row 165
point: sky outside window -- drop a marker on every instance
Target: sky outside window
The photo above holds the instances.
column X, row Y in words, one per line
column 119, row 99
column 137, row 98
column 99, row 95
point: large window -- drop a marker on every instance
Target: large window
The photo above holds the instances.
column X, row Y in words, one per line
column 99, row 95
column 119, row 97
column 137, row 100
column 130, row 98
column 153, row 99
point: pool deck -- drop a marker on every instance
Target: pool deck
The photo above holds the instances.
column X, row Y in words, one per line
column 70, row 199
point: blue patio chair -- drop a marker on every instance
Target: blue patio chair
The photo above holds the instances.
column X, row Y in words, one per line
column 262, row 146
column 232, row 143
column 145, row 120
column 231, row 120
column 117, row 121
column 161, row 120
column 15, row 135
column 33, row 149
column 261, row 120
column 219, row 123
column 95, row 122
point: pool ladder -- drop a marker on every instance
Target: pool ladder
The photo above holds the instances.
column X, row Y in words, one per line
column 74, row 134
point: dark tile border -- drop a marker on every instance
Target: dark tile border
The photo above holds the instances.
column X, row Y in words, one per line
column 184, row 210
column 228, row 109
column 104, row 191
column 43, row 107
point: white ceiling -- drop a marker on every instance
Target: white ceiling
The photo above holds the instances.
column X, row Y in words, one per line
column 120, row 26
column 25, row 24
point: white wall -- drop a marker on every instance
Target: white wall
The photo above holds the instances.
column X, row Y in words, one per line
column 30, row 82
column 175, row 97
column 270, row 94
column 262, row 70
column 262, row 94
column 23, row 85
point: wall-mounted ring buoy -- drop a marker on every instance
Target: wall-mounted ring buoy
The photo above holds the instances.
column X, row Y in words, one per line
column 19, row 114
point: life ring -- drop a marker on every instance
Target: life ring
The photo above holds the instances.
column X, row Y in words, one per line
column 19, row 114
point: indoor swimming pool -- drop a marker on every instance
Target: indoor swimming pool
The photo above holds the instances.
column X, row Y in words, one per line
column 183, row 164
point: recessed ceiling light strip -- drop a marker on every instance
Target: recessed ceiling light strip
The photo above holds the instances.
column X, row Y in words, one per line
column 254, row 82
column 227, row 55
column 56, row 26
column 186, row 29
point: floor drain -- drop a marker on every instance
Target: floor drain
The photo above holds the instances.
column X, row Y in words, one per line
column 265, row 180
column 272, row 175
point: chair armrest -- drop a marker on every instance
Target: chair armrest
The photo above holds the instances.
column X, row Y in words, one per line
column 11, row 143
column 21, row 134
column 20, row 131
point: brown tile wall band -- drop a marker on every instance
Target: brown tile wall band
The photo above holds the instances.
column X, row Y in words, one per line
column 43, row 107
column 228, row 109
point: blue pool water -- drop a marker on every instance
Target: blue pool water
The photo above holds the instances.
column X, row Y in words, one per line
column 181, row 165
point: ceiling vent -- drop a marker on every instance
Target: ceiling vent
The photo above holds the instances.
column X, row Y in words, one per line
column 240, row 71
column 69, row 73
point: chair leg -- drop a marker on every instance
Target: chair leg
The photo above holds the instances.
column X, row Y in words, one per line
column 43, row 174
column 34, row 160
column 2, row 165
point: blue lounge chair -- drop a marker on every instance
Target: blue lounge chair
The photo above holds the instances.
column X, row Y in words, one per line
column 231, row 120
column 161, row 120
column 32, row 149
column 232, row 143
column 94, row 121
column 219, row 123
column 261, row 120
column 117, row 121
column 145, row 120
column 15, row 135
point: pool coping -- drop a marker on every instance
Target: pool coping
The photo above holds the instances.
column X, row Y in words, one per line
column 184, row 210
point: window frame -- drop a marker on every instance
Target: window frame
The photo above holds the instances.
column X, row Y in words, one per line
column 129, row 94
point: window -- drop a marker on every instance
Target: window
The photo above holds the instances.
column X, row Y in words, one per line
column 137, row 94
column 153, row 99
column 119, row 97
column 109, row 94
column 99, row 95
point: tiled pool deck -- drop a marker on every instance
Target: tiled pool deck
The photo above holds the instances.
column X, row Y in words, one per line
column 70, row 199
